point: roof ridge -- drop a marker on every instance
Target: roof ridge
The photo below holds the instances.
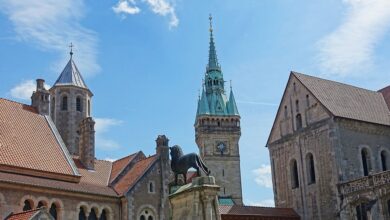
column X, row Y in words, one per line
column 126, row 157
column 332, row 81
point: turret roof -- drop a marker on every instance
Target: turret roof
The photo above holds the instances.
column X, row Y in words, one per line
column 71, row 76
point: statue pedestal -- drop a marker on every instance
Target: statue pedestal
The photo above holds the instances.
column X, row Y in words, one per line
column 196, row 201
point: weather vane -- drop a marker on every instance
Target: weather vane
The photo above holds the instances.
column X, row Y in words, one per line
column 71, row 49
column 211, row 25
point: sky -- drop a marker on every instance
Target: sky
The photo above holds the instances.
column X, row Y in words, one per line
column 144, row 61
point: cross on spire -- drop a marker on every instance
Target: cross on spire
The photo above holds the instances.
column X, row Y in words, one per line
column 211, row 23
column 71, row 50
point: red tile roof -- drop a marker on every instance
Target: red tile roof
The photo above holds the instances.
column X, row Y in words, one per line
column 100, row 176
column 260, row 212
column 28, row 142
column 134, row 174
column 119, row 165
column 81, row 187
column 26, row 215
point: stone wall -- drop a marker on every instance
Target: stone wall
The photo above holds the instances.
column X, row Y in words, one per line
column 68, row 204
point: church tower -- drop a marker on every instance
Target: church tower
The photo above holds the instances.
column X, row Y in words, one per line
column 217, row 129
column 70, row 104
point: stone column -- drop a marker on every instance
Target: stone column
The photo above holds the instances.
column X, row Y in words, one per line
column 195, row 201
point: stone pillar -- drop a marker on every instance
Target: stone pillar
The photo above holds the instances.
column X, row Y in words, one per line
column 162, row 150
column 196, row 200
column 40, row 98
column 87, row 143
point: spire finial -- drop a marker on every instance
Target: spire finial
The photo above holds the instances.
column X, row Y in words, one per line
column 211, row 22
column 230, row 84
column 71, row 50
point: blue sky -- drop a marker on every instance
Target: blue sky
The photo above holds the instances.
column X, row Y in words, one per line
column 144, row 61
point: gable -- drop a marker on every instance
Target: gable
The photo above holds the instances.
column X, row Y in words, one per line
column 309, row 109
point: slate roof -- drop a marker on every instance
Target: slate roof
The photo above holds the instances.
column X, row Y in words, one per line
column 347, row 101
column 71, row 76
column 25, row 136
column 245, row 211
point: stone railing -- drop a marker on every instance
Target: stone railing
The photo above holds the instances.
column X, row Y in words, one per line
column 365, row 183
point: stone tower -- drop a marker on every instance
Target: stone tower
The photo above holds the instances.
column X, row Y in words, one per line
column 40, row 98
column 217, row 129
column 70, row 104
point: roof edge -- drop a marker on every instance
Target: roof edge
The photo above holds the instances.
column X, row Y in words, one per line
column 62, row 145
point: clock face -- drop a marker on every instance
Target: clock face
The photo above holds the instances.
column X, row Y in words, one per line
column 221, row 147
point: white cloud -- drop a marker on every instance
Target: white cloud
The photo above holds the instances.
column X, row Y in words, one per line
column 52, row 25
column 126, row 7
column 159, row 7
column 351, row 46
column 102, row 125
column 24, row 89
column 263, row 176
column 263, row 203
column 110, row 159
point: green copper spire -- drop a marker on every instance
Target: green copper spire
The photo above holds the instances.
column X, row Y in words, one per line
column 213, row 100
column 213, row 60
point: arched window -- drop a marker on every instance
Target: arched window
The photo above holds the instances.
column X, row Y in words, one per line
column 53, row 106
column 151, row 187
column 285, row 111
column 103, row 216
column 297, row 105
column 294, row 174
column 53, row 210
column 384, row 160
column 298, row 121
column 27, row 205
column 40, row 204
column 365, row 161
column 310, row 169
column 78, row 104
column 146, row 214
column 361, row 211
column 64, row 105
column 307, row 101
column 92, row 215
column 89, row 107
column 82, row 214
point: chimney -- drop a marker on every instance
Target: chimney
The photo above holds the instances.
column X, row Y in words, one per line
column 40, row 84
column 40, row 98
column 87, row 142
column 162, row 148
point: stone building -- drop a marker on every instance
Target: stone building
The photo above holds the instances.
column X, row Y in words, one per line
column 329, row 148
column 47, row 161
column 217, row 130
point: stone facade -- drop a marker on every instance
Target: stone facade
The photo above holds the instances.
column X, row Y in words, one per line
column 210, row 132
column 67, row 116
column 12, row 198
column 196, row 201
column 40, row 98
column 313, row 151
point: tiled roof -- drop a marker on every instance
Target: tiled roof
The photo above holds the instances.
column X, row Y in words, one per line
column 25, row 139
column 347, row 101
column 71, row 76
column 81, row 187
column 26, row 215
column 226, row 201
column 99, row 176
column 134, row 174
column 119, row 165
column 257, row 211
